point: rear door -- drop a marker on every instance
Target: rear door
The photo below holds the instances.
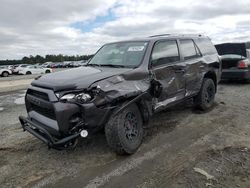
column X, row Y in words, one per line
column 169, row 71
column 193, row 61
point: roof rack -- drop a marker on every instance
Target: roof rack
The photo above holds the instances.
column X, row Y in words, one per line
column 183, row 35
column 160, row 35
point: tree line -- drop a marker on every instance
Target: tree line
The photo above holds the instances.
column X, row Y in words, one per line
column 48, row 58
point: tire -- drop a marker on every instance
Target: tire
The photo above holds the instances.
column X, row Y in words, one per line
column 120, row 128
column 28, row 72
column 47, row 71
column 5, row 74
column 205, row 99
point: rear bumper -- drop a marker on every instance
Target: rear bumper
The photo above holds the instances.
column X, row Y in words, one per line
column 42, row 134
column 238, row 74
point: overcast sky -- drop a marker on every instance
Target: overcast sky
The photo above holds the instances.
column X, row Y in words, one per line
column 30, row 27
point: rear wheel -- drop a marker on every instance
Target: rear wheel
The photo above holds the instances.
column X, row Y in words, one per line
column 124, row 131
column 5, row 74
column 28, row 72
column 47, row 71
column 205, row 99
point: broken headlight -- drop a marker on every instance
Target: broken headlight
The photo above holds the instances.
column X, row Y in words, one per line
column 79, row 97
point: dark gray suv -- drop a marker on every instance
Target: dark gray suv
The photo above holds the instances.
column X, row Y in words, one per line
column 122, row 86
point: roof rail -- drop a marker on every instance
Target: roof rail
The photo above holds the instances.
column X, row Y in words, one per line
column 183, row 35
column 191, row 35
column 159, row 35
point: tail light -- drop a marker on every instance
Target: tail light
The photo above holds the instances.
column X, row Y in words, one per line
column 242, row 65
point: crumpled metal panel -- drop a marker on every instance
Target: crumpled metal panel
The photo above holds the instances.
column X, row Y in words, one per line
column 117, row 87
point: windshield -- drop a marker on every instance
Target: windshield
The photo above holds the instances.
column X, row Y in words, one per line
column 122, row 54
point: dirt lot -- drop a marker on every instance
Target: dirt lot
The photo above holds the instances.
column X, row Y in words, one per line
column 182, row 148
column 19, row 82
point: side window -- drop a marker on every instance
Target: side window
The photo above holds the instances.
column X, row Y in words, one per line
column 205, row 46
column 165, row 52
column 188, row 49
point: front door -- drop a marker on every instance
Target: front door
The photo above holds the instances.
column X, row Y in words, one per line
column 169, row 71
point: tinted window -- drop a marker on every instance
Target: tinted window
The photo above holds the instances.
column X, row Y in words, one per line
column 165, row 52
column 188, row 49
column 205, row 46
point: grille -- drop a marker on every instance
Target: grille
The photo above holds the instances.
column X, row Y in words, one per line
column 50, row 113
column 39, row 102
column 38, row 94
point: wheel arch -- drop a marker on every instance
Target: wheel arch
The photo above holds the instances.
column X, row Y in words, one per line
column 211, row 75
column 144, row 103
column 5, row 72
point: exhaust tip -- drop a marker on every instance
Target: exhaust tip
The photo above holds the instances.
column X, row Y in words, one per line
column 84, row 133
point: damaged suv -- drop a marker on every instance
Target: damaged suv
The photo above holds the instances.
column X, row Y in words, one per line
column 120, row 88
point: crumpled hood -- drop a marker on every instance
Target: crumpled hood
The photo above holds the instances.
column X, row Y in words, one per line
column 76, row 78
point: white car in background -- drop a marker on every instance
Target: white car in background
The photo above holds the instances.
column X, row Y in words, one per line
column 32, row 69
column 19, row 68
column 4, row 71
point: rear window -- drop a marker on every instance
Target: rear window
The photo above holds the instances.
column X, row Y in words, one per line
column 188, row 49
column 205, row 46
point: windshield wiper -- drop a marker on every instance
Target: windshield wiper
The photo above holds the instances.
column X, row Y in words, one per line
column 93, row 65
column 112, row 65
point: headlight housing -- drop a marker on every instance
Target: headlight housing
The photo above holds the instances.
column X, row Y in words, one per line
column 76, row 97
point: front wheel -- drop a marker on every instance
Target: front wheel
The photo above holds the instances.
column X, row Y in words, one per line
column 205, row 99
column 5, row 74
column 124, row 131
column 28, row 72
column 47, row 71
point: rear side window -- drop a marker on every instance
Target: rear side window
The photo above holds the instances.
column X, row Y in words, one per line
column 188, row 49
column 165, row 52
column 205, row 46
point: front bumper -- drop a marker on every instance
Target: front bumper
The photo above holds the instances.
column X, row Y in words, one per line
column 235, row 74
column 59, row 123
column 41, row 133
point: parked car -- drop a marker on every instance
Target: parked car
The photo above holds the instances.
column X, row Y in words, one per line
column 83, row 63
column 66, row 64
column 46, row 64
column 32, row 69
column 4, row 71
column 58, row 65
column 10, row 67
column 235, row 67
column 19, row 68
column 235, row 61
column 122, row 86
column 74, row 64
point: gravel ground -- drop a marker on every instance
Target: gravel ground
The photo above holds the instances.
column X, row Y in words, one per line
column 182, row 148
